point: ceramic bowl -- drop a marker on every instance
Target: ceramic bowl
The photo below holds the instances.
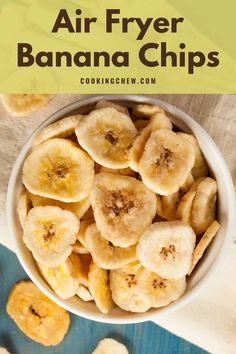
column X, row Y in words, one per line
column 226, row 213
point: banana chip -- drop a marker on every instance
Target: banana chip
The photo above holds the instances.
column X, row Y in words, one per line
column 166, row 162
column 23, row 207
column 124, row 287
column 84, row 293
column 99, row 288
column 200, row 168
column 61, row 129
column 49, row 233
column 105, row 134
column 204, row 205
column 64, row 279
column 110, row 346
column 36, row 315
column 21, row 105
column 108, row 104
column 204, row 243
column 104, row 253
column 166, row 248
column 78, row 208
column 170, row 203
column 123, row 208
column 158, row 291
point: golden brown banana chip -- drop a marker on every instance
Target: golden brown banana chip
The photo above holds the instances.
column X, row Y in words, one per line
column 204, row 243
column 204, row 205
column 107, row 104
column 36, row 315
column 23, row 207
column 170, row 203
column 99, row 288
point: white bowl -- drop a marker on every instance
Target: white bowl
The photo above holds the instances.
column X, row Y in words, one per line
column 226, row 213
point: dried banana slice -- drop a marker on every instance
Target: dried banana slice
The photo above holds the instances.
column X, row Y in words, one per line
column 124, row 287
column 4, row 351
column 59, row 169
column 135, row 150
column 166, row 162
column 20, row 105
column 78, row 208
column 61, row 129
column 49, row 233
column 140, row 124
column 79, row 248
column 204, row 243
column 105, row 134
column 23, row 207
column 36, row 315
column 200, row 168
column 185, row 207
column 142, row 111
column 204, row 205
column 158, row 291
column 170, row 203
column 160, row 211
column 123, row 208
column 166, row 248
column 110, row 346
column 64, row 279
column 104, row 253
column 99, row 288
column 109, row 104
column 83, row 227
column 84, row 293
column 119, row 171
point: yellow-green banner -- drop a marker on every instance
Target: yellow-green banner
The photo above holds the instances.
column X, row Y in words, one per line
column 126, row 46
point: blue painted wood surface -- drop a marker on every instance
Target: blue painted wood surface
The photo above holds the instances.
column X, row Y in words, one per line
column 83, row 335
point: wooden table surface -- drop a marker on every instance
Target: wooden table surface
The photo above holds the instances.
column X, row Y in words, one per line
column 83, row 335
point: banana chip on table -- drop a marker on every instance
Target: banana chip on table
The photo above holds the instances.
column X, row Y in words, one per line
column 66, row 277
column 99, row 288
column 59, row 169
column 36, row 315
column 110, row 346
column 158, row 291
column 50, row 232
column 4, row 351
column 166, row 248
column 105, row 254
column 123, row 208
column 21, row 105
column 124, row 283
column 166, row 162
column 63, row 128
column 105, row 134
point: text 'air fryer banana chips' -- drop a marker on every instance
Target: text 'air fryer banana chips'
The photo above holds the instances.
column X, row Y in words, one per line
column 117, row 207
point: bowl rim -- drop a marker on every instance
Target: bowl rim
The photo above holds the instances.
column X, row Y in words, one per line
column 136, row 317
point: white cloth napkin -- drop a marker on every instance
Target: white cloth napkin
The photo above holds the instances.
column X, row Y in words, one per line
column 210, row 319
